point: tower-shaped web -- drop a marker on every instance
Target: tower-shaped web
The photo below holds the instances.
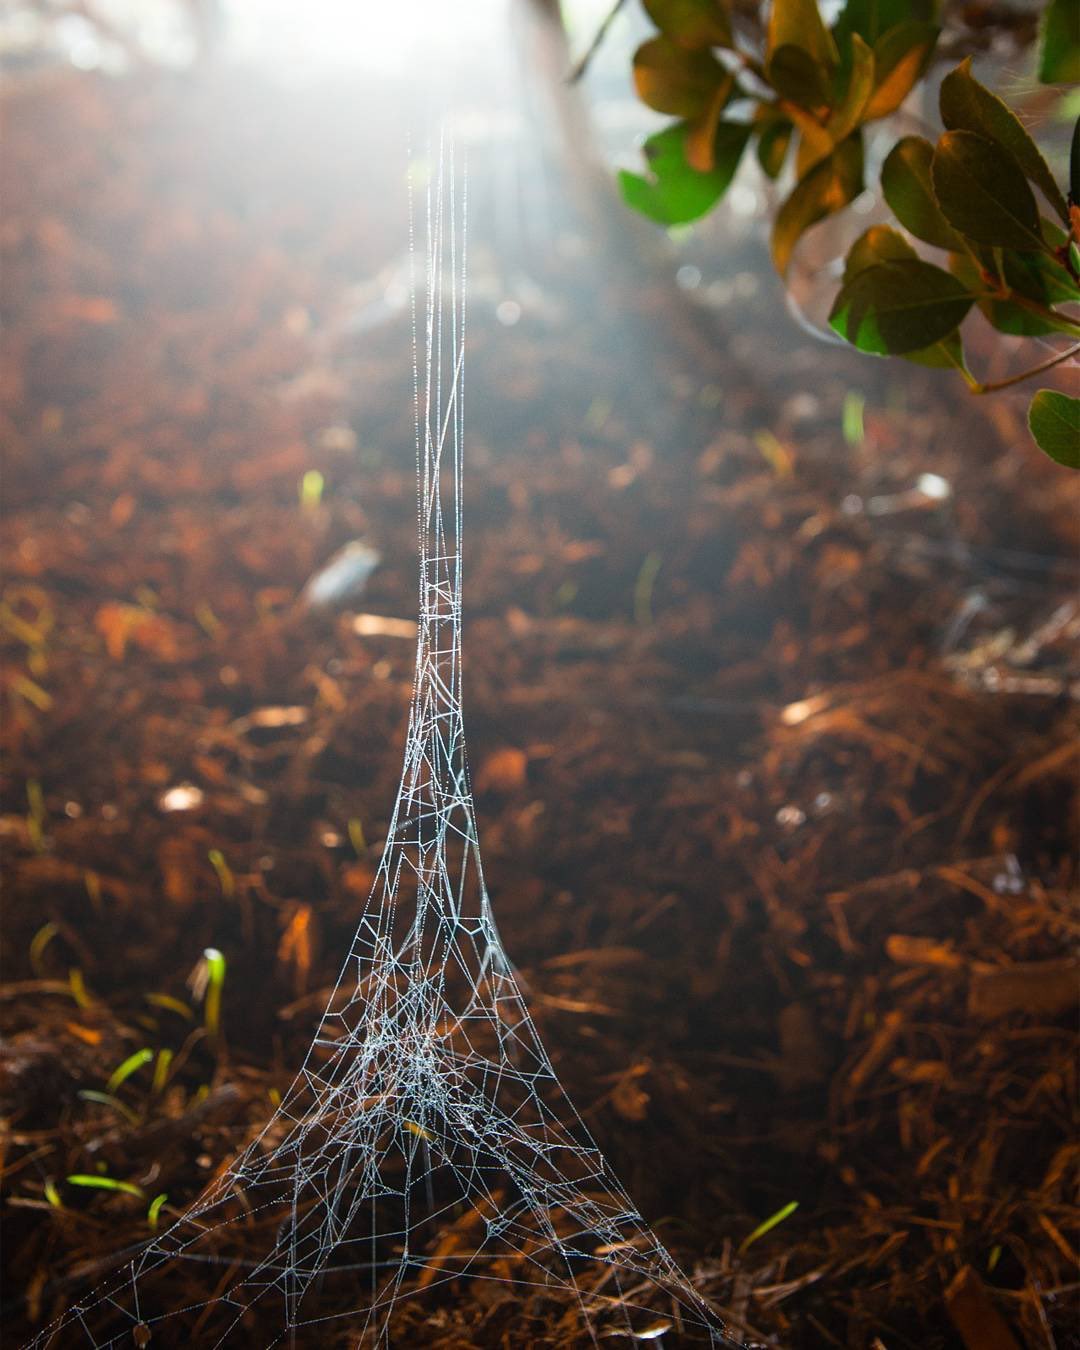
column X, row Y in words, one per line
column 426, row 1141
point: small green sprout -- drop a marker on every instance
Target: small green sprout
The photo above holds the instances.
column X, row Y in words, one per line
column 99, row 1183
column 161, row 1071
column 31, row 691
column 851, row 418
column 130, row 1065
column 113, row 1103
column 35, row 819
column 566, row 594
column 155, row 1210
column 311, row 490
column 92, row 882
column 39, row 942
column 597, row 414
column 171, row 1004
column 225, row 877
column 993, row 1258
column 52, row 1194
column 775, row 453
column 769, row 1224
column 643, row 589
column 207, row 620
column 206, row 983
column 79, row 991
column 356, row 837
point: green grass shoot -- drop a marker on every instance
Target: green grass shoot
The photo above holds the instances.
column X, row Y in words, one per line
column 97, row 1183
column 92, row 882
column 566, row 594
column 643, row 589
column 775, row 453
column 225, row 877
column 210, row 977
column 52, row 1194
column 851, row 418
column 79, row 991
column 39, row 942
column 130, row 1065
column 356, row 836
column 311, row 490
column 170, row 1004
column 113, row 1103
column 207, row 620
column 35, row 818
column 31, row 691
column 155, row 1210
column 161, row 1072
column 767, row 1225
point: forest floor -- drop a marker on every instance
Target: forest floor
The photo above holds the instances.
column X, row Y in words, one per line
column 775, row 754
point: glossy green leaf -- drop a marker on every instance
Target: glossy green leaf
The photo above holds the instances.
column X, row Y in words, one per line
column 692, row 23
column 814, row 142
column 899, row 306
column 1059, row 43
column 1030, row 277
column 1011, row 318
column 798, row 23
column 880, row 243
column 1040, row 277
column 671, row 79
column 828, row 187
column 798, row 77
column 1052, row 233
column 869, row 19
column 1054, row 419
column 772, row 147
column 966, row 105
column 702, row 131
column 851, row 109
column 948, row 354
column 675, row 194
column 873, row 18
column 900, row 57
column 1006, row 315
column 905, row 182
column 729, row 142
column 983, row 193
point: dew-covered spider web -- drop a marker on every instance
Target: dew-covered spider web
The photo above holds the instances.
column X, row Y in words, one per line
column 425, row 1153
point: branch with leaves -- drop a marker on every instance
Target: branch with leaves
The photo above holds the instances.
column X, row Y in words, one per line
column 983, row 195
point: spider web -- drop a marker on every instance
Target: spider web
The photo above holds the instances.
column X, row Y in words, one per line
column 425, row 1140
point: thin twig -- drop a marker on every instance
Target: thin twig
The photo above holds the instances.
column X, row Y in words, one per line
column 581, row 66
column 1027, row 374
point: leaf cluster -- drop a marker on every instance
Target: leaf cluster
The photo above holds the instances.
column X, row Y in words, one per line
column 803, row 97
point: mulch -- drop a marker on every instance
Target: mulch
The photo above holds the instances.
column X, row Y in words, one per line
column 775, row 755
